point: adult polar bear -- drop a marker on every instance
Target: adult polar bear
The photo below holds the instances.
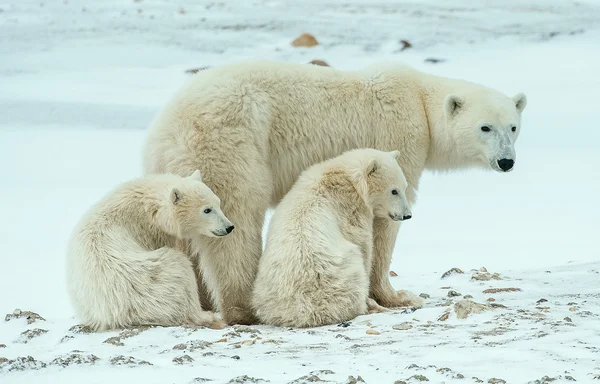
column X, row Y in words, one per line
column 253, row 127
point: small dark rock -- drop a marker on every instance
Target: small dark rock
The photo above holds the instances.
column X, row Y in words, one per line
column 31, row 317
column 352, row 380
column 400, row 382
column 494, row 380
column 434, row 60
column 75, row 358
column 127, row 360
column 419, row 378
column 192, row 345
column 29, row 334
column 453, row 294
column 245, row 380
column 424, row 296
column 344, row 324
column 541, row 301
column 196, row 70
column 2, row 345
column 235, row 357
column 183, row 359
column 453, row 271
column 115, row 340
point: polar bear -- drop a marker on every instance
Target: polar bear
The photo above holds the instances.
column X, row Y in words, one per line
column 125, row 259
column 253, row 127
column 315, row 269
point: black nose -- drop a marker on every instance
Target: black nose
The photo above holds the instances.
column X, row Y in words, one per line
column 406, row 217
column 229, row 229
column 506, row 164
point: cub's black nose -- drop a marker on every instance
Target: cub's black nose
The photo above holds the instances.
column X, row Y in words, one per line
column 229, row 229
column 406, row 217
column 506, row 164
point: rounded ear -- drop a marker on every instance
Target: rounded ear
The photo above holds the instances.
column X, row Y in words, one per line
column 372, row 167
column 452, row 105
column 396, row 154
column 175, row 195
column 196, row 175
column 520, row 101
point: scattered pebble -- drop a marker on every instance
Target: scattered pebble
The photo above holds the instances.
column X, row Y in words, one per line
column 31, row 317
column 127, row 360
column 245, row 329
column 183, row 359
column 541, row 301
column 372, row 332
column 75, row 358
column 353, row 380
column 405, row 45
column 344, row 324
column 491, row 299
column 468, row 297
column 568, row 319
column 305, row 40
column 485, row 276
column 402, row 327
column 419, row 378
column 444, row 316
column 196, row 70
column 192, row 345
column 494, row 380
column 453, row 271
column 322, row 63
column 24, row 364
column 434, row 60
column 464, row 308
column 424, row 296
column 29, row 334
column 453, row 294
column 2, row 345
column 245, row 380
column 500, row 290
column 115, row 340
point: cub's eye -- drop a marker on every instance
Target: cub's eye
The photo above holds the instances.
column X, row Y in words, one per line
column 394, row 191
column 485, row 128
column 514, row 129
column 207, row 210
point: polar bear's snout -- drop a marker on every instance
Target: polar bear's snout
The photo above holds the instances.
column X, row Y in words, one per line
column 506, row 164
column 400, row 217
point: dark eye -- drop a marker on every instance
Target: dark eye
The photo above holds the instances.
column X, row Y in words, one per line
column 207, row 210
column 514, row 129
column 485, row 128
column 394, row 191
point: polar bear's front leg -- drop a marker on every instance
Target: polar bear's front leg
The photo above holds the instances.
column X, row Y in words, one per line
column 384, row 239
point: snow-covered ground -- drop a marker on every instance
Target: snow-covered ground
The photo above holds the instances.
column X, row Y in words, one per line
column 80, row 81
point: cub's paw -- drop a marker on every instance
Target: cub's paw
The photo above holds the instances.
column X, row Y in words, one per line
column 408, row 299
column 210, row 320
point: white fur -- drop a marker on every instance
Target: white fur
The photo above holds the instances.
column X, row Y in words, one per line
column 253, row 127
column 126, row 264
column 316, row 266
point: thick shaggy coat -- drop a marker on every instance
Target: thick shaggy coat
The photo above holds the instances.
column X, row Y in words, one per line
column 253, row 127
column 126, row 263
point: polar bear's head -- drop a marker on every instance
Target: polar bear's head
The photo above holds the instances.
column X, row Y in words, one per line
column 384, row 184
column 483, row 126
column 195, row 209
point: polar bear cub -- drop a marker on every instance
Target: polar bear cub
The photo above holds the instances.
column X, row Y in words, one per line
column 125, row 261
column 316, row 266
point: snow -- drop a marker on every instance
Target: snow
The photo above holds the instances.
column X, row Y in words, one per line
column 81, row 80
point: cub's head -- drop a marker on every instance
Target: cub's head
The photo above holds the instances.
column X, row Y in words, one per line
column 382, row 181
column 196, row 210
column 483, row 126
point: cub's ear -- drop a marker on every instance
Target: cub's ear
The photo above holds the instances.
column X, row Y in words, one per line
column 175, row 195
column 452, row 105
column 396, row 154
column 196, row 175
column 520, row 101
column 372, row 167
